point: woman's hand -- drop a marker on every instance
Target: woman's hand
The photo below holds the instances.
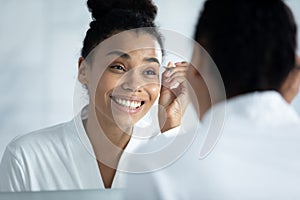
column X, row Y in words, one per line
column 174, row 98
column 291, row 85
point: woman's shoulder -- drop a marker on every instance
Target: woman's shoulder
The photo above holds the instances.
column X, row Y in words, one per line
column 41, row 139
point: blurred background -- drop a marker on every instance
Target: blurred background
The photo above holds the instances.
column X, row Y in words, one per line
column 40, row 43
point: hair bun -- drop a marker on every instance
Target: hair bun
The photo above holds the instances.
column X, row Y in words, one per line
column 100, row 8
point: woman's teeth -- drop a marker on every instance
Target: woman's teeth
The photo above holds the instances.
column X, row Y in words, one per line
column 127, row 103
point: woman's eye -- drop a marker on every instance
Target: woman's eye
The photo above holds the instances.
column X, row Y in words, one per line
column 118, row 67
column 150, row 72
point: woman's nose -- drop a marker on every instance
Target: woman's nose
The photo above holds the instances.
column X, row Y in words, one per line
column 132, row 82
column 131, row 87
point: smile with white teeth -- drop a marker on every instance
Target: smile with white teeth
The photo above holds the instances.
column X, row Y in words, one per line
column 128, row 103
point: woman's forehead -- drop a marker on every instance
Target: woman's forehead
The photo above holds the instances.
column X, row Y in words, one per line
column 129, row 41
column 128, row 44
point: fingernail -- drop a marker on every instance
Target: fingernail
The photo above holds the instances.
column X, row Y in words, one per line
column 170, row 64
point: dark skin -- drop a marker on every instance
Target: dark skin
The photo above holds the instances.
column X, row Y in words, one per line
column 107, row 174
column 174, row 97
column 131, row 72
column 291, row 85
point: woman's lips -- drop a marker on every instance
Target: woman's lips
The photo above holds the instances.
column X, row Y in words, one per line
column 130, row 105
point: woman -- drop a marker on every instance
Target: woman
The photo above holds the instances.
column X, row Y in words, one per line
column 255, row 153
column 120, row 69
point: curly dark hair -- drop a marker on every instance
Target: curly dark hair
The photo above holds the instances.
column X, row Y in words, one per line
column 113, row 16
column 252, row 42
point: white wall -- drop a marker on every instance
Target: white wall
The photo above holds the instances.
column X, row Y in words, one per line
column 40, row 44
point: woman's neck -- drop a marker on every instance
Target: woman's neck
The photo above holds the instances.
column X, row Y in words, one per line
column 107, row 139
column 108, row 142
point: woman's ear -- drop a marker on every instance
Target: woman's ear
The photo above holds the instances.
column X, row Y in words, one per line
column 298, row 62
column 82, row 71
column 291, row 86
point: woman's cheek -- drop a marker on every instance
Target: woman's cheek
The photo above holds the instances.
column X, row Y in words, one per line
column 155, row 90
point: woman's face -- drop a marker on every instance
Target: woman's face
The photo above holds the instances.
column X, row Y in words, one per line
column 123, row 77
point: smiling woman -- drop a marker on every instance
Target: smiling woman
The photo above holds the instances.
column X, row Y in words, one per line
column 129, row 85
column 119, row 66
column 123, row 84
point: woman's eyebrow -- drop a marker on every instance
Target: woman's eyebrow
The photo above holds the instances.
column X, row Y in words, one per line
column 127, row 56
column 120, row 54
column 152, row 59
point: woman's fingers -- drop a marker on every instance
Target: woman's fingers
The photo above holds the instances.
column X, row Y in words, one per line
column 173, row 68
column 174, row 95
column 175, row 81
column 175, row 74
